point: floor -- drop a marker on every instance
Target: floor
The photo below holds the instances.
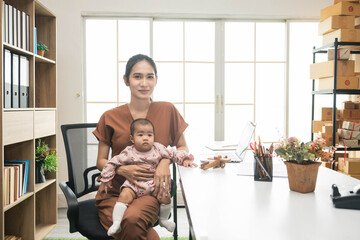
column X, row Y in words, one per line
column 62, row 228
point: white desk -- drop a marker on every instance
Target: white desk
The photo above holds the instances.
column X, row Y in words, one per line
column 222, row 205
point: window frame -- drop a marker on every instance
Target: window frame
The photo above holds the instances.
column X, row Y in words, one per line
column 219, row 62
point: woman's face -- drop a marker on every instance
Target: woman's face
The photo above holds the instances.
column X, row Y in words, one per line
column 142, row 80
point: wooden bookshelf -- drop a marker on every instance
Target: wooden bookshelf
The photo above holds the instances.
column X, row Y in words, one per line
column 33, row 215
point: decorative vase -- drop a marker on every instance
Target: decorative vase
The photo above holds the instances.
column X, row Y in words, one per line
column 302, row 177
column 39, row 175
column 41, row 52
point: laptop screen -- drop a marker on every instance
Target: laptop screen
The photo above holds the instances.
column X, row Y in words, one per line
column 245, row 140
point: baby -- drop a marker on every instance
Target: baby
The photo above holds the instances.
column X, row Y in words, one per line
column 143, row 151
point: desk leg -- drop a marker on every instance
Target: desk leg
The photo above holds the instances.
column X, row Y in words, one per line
column 175, row 234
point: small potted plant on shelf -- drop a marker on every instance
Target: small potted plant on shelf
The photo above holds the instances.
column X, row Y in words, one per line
column 46, row 161
column 41, row 48
column 302, row 161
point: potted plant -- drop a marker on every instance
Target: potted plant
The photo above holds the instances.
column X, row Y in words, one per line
column 46, row 160
column 301, row 160
column 41, row 48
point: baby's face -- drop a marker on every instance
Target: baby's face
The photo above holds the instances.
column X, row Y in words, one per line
column 143, row 138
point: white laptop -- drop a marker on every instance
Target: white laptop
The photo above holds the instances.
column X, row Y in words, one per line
column 239, row 153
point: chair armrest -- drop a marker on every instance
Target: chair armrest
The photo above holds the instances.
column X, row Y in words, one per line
column 73, row 205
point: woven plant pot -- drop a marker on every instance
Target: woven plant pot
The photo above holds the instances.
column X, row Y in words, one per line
column 302, row 177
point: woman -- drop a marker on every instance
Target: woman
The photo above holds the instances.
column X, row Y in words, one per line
column 113, row 132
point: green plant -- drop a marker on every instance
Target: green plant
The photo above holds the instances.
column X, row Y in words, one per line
column 46, row 157
column 41, row 46
column 293, row 149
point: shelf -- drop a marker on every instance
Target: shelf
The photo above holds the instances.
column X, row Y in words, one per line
column 40, row 59
column 22, row 198
column 338, row 91
column 41, row 186
column 18, row 50
column 18, row 109
column 45, row 109
column 320, row 49
column 348, row 149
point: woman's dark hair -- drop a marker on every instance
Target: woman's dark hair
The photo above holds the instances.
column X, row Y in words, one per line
column 141, row 121
column 134, row 60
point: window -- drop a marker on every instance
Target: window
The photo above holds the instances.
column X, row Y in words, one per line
column 203, row 63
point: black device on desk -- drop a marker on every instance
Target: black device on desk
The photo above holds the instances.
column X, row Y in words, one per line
column 348, row 200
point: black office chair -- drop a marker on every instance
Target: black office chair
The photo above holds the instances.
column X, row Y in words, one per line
column 81, row 152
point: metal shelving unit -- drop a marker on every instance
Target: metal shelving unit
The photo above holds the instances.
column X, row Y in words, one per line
column 334, row 91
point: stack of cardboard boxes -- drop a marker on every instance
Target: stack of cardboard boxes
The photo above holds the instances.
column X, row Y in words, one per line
column 338, row 21
column 349, row 114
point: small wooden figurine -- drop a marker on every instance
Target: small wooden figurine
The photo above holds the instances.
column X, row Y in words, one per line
column 215, row 162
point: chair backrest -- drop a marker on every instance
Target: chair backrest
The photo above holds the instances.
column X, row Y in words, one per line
column 81, row 148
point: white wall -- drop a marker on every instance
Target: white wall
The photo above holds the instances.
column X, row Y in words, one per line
column 69, row 39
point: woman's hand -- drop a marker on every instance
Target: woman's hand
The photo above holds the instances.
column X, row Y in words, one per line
column 162, row 178
column 135, row 173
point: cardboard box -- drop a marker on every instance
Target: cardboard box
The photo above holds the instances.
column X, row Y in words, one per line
column 326, row 69
column 327, row 128
column 326, row 114
column 349, row 143
column 342, row 54
column 341, row 83
column 328, row 138
column 341, row 8
column 355, row 126
column 351, row 165
column 348, row 134
column 353, row 154
column 341, row 154
column 349, row 114
column 348, row 105
column 317, row 125
column 336, row 22
column 343, row 35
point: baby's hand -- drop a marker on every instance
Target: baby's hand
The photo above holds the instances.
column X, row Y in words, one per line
column 107, row 185
column 189, row 163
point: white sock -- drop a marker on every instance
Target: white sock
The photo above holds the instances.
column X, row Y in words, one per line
column 164, row 217
column 117, row 216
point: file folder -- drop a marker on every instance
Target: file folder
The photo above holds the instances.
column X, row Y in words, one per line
column 23, row 30
column 18, row 28
column 15, row 81
column 6, row 22
column 24, row 82
column 11, row 22
column 7, row 79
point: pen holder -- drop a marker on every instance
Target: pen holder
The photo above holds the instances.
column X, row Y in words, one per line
column 263, row 168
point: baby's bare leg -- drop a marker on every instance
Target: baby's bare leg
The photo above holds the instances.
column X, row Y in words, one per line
column 165, row 208
column 127, row 195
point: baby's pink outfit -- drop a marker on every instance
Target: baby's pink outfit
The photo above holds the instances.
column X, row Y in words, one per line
column 130, row 156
